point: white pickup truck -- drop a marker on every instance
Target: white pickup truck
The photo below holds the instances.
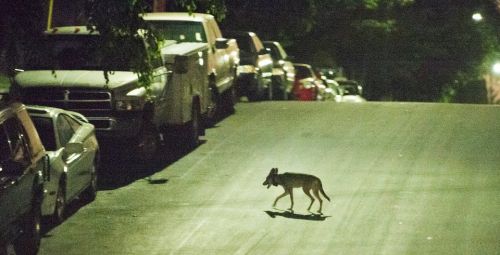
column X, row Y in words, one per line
column 68, row 74
column 222, row 54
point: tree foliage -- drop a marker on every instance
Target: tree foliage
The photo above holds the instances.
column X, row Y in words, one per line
column 123, row 32
column 401, row 49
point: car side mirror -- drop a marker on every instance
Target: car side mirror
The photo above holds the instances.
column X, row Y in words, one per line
column 221, row 43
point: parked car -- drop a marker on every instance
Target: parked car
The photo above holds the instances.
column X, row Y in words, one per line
column 283, row 71
column 72, row 146
column 256, row 66
column 333, row 92
column 307, row 86
column 351, row 91
column 23, row 170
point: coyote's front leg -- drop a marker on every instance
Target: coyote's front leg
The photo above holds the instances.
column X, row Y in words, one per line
column 280, row 196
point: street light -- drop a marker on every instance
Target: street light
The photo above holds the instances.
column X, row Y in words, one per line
column 477, row 17
column 496, row 68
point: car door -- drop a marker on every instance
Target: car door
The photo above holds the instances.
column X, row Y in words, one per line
column 76, row 170
column 264, row 60
column 17, row 175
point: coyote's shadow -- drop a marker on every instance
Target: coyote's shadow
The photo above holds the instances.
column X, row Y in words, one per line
column 292, row 215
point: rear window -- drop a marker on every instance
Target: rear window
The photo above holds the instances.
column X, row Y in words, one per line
column 302, row 72
column 181, row 31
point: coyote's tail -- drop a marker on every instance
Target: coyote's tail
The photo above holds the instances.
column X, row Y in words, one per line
column 323, row 192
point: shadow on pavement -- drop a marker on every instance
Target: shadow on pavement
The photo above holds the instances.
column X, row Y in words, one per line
column 292, row 215
column 117, row 171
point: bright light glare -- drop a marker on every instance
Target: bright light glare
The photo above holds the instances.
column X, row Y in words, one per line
column 477, row 17
column 496, row 68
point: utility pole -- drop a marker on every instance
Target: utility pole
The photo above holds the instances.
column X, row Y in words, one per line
column 49, row 14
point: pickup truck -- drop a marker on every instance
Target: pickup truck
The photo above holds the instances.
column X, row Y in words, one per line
column 23, row 169
column 222, row 55
column 283, row 71
column 69, row 75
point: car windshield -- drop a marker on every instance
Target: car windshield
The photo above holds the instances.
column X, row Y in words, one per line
column 276, row 52
column 302, row 72
column 74, row 52
column 45, row 130
column 350, row 90
column 244, row 42
column 181, row 31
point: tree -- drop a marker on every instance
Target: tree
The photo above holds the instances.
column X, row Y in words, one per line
column 117, row 21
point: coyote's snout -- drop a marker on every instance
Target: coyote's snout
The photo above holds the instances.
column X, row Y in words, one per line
column 296, row 180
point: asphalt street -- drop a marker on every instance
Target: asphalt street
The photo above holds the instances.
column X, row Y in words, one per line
column 404, row 178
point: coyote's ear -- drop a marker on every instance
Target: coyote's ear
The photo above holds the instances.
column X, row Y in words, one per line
column 274, row 170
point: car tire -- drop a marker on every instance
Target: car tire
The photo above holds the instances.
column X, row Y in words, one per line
column 90, row 193
column 214, row 103
column 60, row 205
column 29, row 241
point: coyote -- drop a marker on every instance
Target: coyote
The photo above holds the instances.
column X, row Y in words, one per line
column 296, row 180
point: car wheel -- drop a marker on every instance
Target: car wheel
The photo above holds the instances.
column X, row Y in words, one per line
column 90, row 193
column 213, row 108
column 29, row 241
column 147, row 144
column 60, row 206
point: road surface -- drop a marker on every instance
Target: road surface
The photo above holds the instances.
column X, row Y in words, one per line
column 404, row 178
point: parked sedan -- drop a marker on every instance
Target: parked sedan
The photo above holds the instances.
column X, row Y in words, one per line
column 351, row 91
column 256, row 66
column 72, row 147
column 308, row 86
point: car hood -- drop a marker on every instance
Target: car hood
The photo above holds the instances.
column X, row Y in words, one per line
column 74, row 78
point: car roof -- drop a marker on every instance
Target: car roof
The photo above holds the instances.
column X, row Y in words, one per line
column 270, row 43
column 240, row 33
column 182, row 16
column 302, row 65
